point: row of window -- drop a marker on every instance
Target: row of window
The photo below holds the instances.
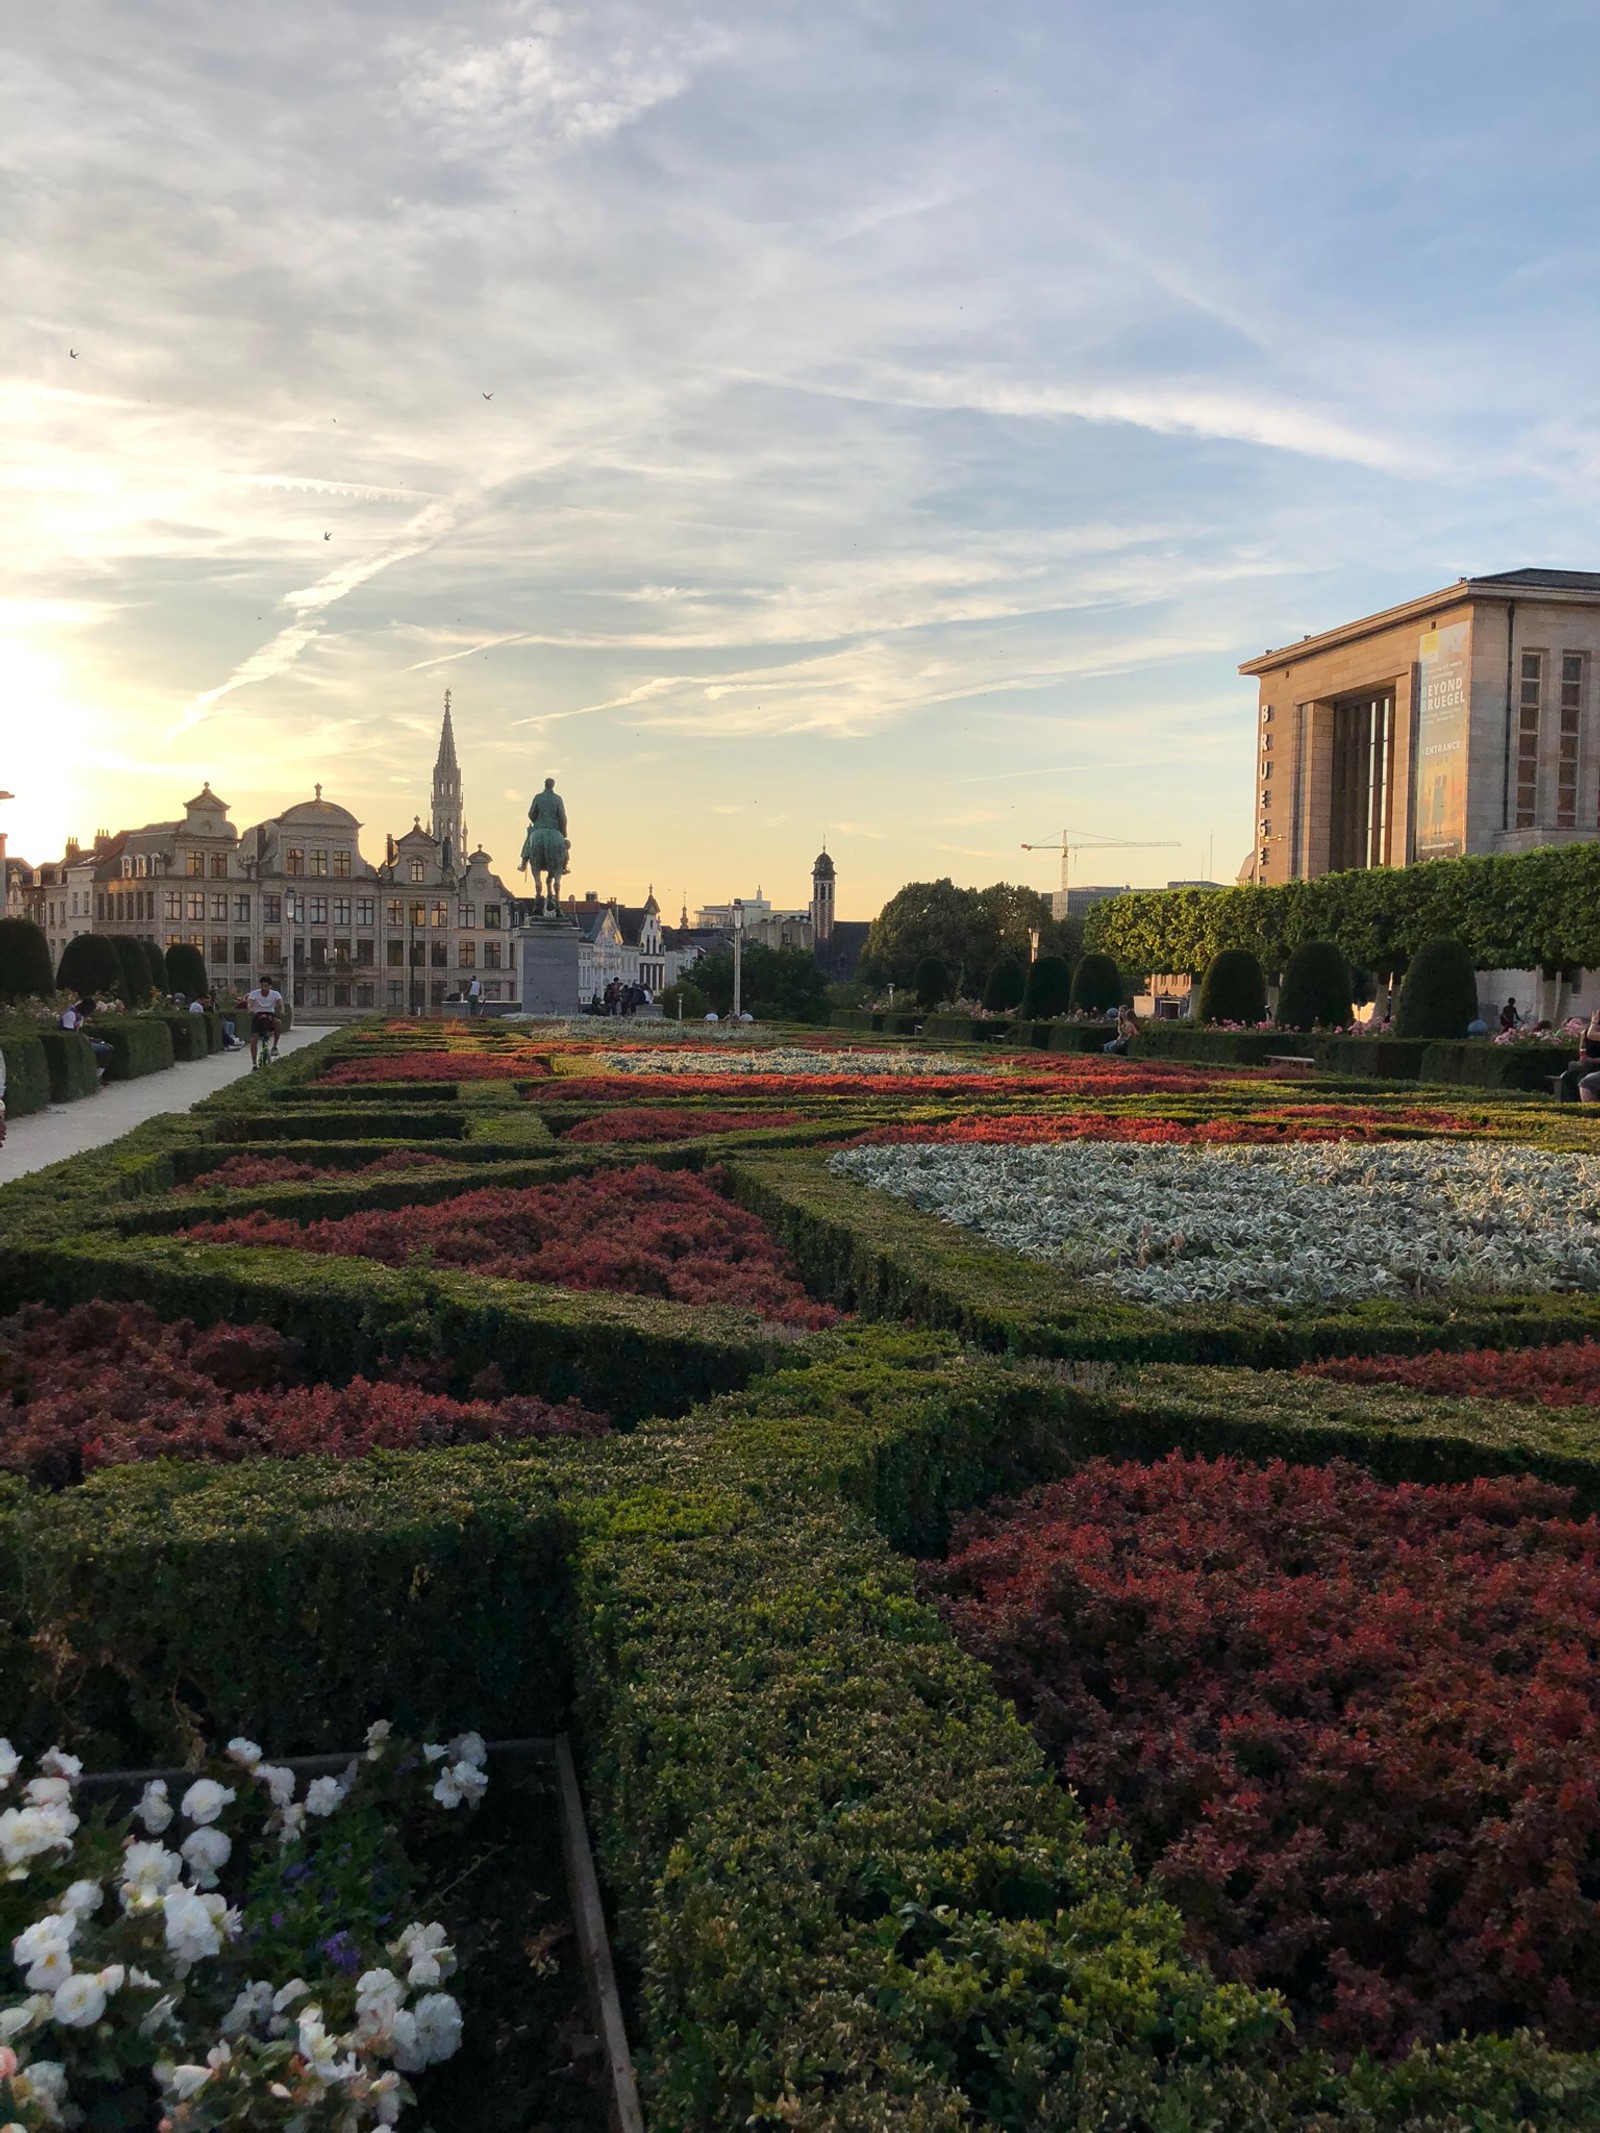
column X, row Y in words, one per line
column 221, row 949
column 1530, row 722
column 321, row 992
column 195, row 904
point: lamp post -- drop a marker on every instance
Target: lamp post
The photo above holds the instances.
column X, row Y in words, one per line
column 738, row 955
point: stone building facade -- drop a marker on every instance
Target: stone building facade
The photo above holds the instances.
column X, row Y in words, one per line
column 1465, row 721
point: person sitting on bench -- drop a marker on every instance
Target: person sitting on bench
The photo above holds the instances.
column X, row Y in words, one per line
column 1572, row 1087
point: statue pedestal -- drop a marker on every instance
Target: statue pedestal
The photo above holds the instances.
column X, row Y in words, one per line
column 546, row 951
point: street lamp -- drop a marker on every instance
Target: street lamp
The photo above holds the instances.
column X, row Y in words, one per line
column 738, row 954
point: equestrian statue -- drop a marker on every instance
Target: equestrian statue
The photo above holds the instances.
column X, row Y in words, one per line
column 545, row 848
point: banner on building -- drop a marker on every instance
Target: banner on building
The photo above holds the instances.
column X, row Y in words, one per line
column 1440, row 773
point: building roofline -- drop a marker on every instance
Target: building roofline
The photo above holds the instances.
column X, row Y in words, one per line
column 1552, row 587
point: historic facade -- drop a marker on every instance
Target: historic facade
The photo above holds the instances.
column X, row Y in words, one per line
column 1465, row 721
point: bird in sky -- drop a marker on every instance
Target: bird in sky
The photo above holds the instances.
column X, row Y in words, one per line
column 73, row 353
column 488, row 396
column 327, row 536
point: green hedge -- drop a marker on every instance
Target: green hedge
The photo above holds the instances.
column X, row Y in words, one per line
column 73, row 1067
column 1479, row 1063
column 27, row 1071
column 139, row 1045
column 190, row 1038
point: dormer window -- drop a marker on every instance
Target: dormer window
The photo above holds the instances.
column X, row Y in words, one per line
column 419, row 871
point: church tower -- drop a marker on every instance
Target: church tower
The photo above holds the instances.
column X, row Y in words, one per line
column 446, row 824
column 822, row 899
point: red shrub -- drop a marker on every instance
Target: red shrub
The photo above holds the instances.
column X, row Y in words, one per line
column 243, row 1171
column 1304, row 1122
column 645, row 1232
column 630, row 1124
column 1566, row 1374
column 434, row 1066
column 106, row 1384
column 1354, row 1728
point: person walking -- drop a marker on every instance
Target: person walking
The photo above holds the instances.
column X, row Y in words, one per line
column 263, row 1006
column 475, row 998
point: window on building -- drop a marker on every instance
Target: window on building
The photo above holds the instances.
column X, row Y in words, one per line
column 491, row 955
column 1567, row 760
column 366, row 911
column 319, row 992
column 140, row 866
column 395, row 911
column 341, row 910
column 241, row 948
column 441, row 954
column 319, row 910
column 271, row 949
column 364, row 995
column 491, row 991
column 197, row 905
column 364, row 951
column 436, row 992
column 272, row 910
column 396, row 992
column 319, row 864
column 466, row 914
column 100, row 902
column 294, row 861
column 219, row 866
column 419, row 914
column 419, row 871
column 341, row 866
column 441, row 914
column 1530, row 705
column 419, row 954
column 491, row 914
column 241, row 910
column 197, row 862
column 341, row 949
column 394, row 953
column 219, row 950
column 219, row 905
column 299, row 951
column 341, row 992
column 468, row 954
column 319, row 954
column 174, row 905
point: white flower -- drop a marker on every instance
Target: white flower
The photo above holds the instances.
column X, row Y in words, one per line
column 469, row 1748
column 207, row 1851
column 244, row 1752
column 15, row 2019
column 44, row 2083
column 286, row 1995
column 291, row 1822
column 54, row 1763
column 154, row 1809
column 82, row 1898
column 47, row 1792
column 434, row 2033
column 384, row 2094
column 323, row 1795
column 434, row 1751
column 163, row 2015
column 182, row 2082
column 191, row 1929
column 378, row 1997
column 80, row 2001
column 278, row 1781
column 25, row 1832
column 463, row 1781
column 321, row 2051
column 148, row 1871
column 205, row 1800
column 253, row 2004
column 44, row 1951
column 113, row 1977
column 378, row 1738
column 10, row 1762
column 431, row 1958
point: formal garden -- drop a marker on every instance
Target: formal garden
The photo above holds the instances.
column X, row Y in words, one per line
column 1067, row 1586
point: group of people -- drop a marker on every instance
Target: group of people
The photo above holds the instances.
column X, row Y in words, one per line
column 620, row 999
column 264, row 1007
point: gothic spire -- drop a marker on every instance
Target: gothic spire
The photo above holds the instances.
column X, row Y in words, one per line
column 446, row 823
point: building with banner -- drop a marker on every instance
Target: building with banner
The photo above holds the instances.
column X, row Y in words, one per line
column 1465, row 721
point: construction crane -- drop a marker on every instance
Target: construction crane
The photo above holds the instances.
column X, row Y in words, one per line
column 1070, row 844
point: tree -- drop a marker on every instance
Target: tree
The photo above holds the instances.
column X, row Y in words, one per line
column 1007, row 983
column 158, row 965
column 1016, row 914
column 89, row 964
column 186, row 970
column 929, row 918
column 1234, row 989
column 1096, row 985
column 135, row 968
column 932, row 982
column 1439, row 996
column 777, row 984
column 1049, row 989
column 684, row 993
column 1317, row 988
column 25, row 972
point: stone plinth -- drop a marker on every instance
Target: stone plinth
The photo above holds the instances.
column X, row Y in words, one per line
column 547, row 962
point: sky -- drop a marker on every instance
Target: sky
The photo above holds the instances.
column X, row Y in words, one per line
column 882, row 423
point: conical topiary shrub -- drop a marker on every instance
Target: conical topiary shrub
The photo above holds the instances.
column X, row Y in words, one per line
column 1316, row 989
column 186, row 970
column 25, row 972
column 931, row 982
column 1439, row 995
column 89, row 964
column 1007, row 982
column 1096, row 985
column 158, row 964
column 1048, row 989
column 135, row 968
column 1234, row 989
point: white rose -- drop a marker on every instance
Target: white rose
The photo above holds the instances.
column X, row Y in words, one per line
column 278, row 1781
column 191, row 1930
column 80, row 2001
column 154, row 1809
column 207, row 1851
column 148, row 1871
column 205, row 1800
column 244, row 1752
column 323, row 1795
column 47, row 1792
column 25, row 1832
column 82, row 1898
column 438, row 2031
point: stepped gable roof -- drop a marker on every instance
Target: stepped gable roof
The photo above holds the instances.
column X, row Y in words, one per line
column 318, row 814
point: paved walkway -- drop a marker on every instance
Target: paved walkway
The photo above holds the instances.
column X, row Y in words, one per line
column 118, row 1106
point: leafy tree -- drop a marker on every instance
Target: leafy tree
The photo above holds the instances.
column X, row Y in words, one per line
column 158, row 965
column 1008, row 982
column 928, row 918
column 186, row 970
column 25, row 972
column 1234, row 988
column 1096, row 985
column 1317, row 988
column 932, row 982
column 685, row 993
column 1049, row 989
column 777, row 984
column 135, row 968
column 1439, row 996
column 1016, row 914
column 89, row 964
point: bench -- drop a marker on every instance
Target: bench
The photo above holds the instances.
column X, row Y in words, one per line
column 1289, row 1059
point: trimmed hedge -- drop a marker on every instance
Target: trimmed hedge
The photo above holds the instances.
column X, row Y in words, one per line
column 73, row 1068
column 1317, row 988
column 139, row 1045
column 25, row 972
column 1479, row 1063
column 1439, row 995
column 1234, row 989
column 27, row 1075
column 190, row 1038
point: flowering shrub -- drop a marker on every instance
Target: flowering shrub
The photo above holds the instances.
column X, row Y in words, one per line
column 1566, row 1374
column 434, row 1066
column 107, row 1384
column 240, row 1172
column 1353, row 1728
column 1285, row 1225
column 632, row 1124
column 203, row 1974
column 644, row 1232
column 1327, row 1122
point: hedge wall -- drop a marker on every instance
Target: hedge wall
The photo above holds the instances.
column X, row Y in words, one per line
column 27, row 1075
column 1530, row 911
column 139, row 1045
column 190, row 1038
column 73, row 1067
